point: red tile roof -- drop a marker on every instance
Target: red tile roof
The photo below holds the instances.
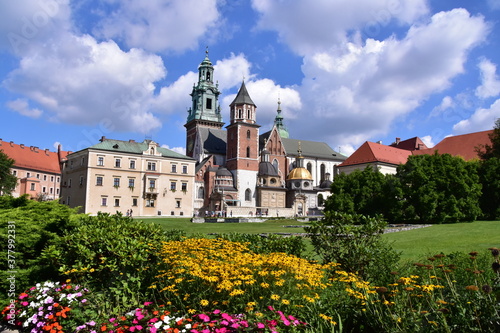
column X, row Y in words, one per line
column 32, row 158
column 460, row 145
column 409, row 144
column 371, row 152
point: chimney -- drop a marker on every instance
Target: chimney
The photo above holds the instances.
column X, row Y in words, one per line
column 47, row 151
column 379, row 142
column 12, row 143
column 1, row 141
column 398, row 140
column 21, row 145
column 131, row 141
column 35, row 149
column 102, row 138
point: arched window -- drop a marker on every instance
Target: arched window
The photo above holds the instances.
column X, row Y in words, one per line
column 248, row 195
column 248, row 114
column 323, row 171
column 201, row 192
column 240, row 114
column 248, row 134
column 248, row 151
column 208, row 76
column 309, row 167
column 276, row 164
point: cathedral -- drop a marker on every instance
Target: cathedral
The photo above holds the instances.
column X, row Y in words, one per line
column 240, row 172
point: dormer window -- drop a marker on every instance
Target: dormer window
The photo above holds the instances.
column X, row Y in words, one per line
column 152, row 151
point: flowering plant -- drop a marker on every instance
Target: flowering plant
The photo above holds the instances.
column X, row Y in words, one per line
column 46, row 307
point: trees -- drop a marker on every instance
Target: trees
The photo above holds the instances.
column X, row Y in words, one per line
column 7, row 180
column 367, row 192
column 486, row 152
column 490, row 199
column 440, row 189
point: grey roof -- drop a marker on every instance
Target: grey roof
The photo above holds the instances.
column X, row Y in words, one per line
column 214, row 140
column 267, row 169
column 311, row 149
column 133, row 147
column 243, row 97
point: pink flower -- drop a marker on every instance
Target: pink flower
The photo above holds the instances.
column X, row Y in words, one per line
column 147, row 303
column 204, row 317
column 227, row 317
column 152, row 329
column 24, row 303
column 112, row 320
column 270, row 308
column 132, row 329
column 261, row 325
column 216, row 311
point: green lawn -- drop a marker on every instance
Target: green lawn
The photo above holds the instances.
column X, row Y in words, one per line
column 446, row 238
column 413, row 244
column 270, row 226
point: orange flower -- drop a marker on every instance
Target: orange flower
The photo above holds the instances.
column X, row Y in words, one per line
column 103, row 328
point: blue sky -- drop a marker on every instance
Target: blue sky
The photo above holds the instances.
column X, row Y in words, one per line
column 346, row 71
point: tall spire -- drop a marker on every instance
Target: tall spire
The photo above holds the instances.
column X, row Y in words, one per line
column 278, row 122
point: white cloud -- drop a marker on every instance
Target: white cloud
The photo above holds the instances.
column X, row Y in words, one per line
column 428, row 141
column 313, row 26
column 356, row 91
column 481, row 120
column 490, row 84
column 80, row 81
column 446, row 103
column 21, row 105
column 158, row 25
column 180, row 150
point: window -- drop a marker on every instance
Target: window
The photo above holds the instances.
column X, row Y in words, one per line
column 248, row 194
column 173, row 186
column 151, row 166
column 174, row 168
column 201, row 192
column 118, row 163
column 116, row 182
column 14, row 172
column 184, row 187
column 69, row 182
column 131, row 182
column 184, row 169
column 152, row 183
column 132, row 164
column 38, row 175
column 117, row 202
column 28, row 174
column 98, row 181
column 150, row 202
column 104, row 201
column 100, row 161
column 248, row 151
column 44, row 177
column 57, row 191
column 44, row 189
column 71, row 164
column 134, row 202
column 209, row 103
column 58, row 179
column 248, row 134
column 81, row 180
column 177, row 204
column 51, row 190
column 82, row 161
column 309, row 167
column 52, row 179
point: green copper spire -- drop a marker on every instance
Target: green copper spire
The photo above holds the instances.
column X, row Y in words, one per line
column 205, row 94
column 278, row 122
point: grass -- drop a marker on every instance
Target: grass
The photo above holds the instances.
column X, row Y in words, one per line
column 413, row 244
column 446, row 239
column 270, row 226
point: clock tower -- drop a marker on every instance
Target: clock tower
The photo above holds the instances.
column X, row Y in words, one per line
column 205, row 110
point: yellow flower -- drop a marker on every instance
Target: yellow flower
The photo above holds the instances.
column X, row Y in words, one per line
column 275, row 297
column 285, row 301
column 204, row 302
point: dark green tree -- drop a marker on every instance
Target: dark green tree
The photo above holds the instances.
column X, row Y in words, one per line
column 440, row 189
column 487, row 151
column 7, row 180
column 489, row 171
column 366, row 192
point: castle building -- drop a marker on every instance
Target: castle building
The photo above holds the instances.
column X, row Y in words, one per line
column 38, row 171
column 123, row 176
column 242, row 172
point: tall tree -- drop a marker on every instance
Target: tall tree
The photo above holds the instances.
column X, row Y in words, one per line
column 7, row 180
column 487, row 151
column 490, row 199
column 440, row 189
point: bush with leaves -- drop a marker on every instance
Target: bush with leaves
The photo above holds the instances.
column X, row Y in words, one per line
column 293, row 245
column 111, row 254
column 30, row 226
column 354, row 241
column 490, row 198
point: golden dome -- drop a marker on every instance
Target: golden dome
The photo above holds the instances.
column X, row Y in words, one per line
column 300, row 173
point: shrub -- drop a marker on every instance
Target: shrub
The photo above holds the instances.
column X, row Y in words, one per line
column 111, row 254
column 28, row 227
column 293, row 245
column 354, row 241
